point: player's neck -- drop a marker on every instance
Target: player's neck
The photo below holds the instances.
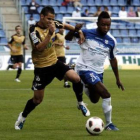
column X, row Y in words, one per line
column 18, row 34
column 41, row 25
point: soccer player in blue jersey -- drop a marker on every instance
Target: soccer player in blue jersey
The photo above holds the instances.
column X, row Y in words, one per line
column 99, row 44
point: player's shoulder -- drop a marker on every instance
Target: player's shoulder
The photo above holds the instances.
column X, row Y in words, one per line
column 32, row 28
column 109, row 35
column 13, row 35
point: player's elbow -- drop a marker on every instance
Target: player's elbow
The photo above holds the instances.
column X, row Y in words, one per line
column 68, row 38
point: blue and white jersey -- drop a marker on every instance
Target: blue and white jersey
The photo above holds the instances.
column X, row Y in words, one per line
column 94, row 51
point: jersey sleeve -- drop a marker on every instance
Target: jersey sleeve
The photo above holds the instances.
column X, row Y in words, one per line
column 23, row 43
column 113, row 50
column 58, row 24
column 34, row 36
column 11, row 40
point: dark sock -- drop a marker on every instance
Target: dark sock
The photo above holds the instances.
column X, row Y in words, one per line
column 78, row 89
column 29, row 107
column 9, row 66
column 18, row 72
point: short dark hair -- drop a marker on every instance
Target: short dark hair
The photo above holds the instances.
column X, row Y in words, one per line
column 46, row 10
column 103, row 14
column 17, row 27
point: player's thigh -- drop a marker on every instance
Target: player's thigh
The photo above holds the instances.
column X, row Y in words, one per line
column 93, row 94
column 42, row 77
column 72, row 76
column 63, row 71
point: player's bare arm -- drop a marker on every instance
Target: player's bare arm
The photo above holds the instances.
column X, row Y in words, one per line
column 70, row 34
column 26, row 47
column 114, row 65
column 41, row 46
column 13, row 50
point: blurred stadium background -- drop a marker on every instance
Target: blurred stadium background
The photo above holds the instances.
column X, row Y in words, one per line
column 125, row 30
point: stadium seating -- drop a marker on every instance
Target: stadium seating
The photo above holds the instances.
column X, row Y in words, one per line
column 105, row 2
column 122, row 2
column 90, row 3
column 98, row 2
column 59, row 2
column 132, row 32
column 92, row 9
column 3, row 40
column 136, row 2
column 62, row 10
column 123, row 31
column 84, row 2
column 52, row 2
column 126, row 40
column 45, row 2
column 113, row 3
column 2, row 33
column 70, row 9
column 119, row 40
column 135, row 40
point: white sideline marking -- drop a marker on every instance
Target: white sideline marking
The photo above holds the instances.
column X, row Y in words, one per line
column 16, row 89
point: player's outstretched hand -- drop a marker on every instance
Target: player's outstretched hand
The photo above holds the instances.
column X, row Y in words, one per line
column 120, row 85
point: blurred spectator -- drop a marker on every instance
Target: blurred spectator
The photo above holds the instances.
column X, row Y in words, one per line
column 99, row 10
column 77, row 12
column 107, row 10
column 138, row 12
column 123, row 12
column 86, row 13
column 131, row 12
column 33, row 7
column 129, row 2
column 67, row 3
column 31, row 21
column 77, row 3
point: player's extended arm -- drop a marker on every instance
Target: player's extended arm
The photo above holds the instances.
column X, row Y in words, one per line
column 71, row 33
column 114, row 65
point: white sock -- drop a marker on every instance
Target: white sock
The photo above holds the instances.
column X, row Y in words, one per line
column 81, row 103
column 66, row 83
column 86, row 90
column 107, row 109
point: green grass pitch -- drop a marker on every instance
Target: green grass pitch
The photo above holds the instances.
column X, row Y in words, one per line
column 57, row 117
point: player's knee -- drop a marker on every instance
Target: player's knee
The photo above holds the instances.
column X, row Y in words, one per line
column 94, row 100
column 76, row 79
column 105, row 94
column 38, row 101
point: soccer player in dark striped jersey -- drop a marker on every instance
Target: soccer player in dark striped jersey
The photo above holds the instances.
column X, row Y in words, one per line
column 16, row 45
column 47, row 66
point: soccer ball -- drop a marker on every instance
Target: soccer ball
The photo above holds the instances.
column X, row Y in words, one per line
column 94, row 125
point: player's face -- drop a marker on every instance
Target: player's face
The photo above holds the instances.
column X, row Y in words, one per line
column 18, row 30
column 47, row 20
column 104, row 25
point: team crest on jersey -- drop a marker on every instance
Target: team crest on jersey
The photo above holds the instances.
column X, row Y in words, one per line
column 106, row 41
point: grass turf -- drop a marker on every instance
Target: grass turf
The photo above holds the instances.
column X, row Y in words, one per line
column 57, row 117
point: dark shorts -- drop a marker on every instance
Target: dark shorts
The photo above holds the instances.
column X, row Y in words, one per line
column 16, row 58
column 44, row 76
column 62, row 59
